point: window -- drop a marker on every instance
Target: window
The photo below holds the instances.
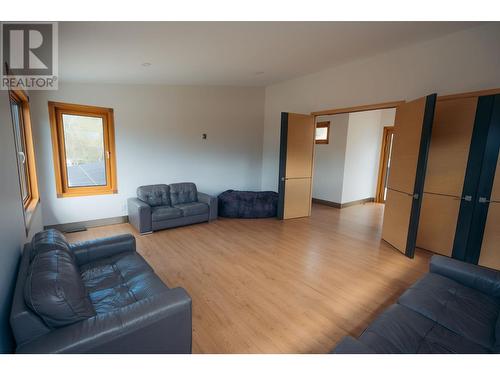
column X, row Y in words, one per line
column 323, row 132
column 84, row 149
column 21, row 123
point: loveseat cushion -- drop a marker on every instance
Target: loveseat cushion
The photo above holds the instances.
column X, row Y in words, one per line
column 193, row 208
column 54, row 289
column 463, row 310
column 48, row 240
column 119, row 281
column 399, row 330
column 184, row 192
column 165, row 213
column 154, row 195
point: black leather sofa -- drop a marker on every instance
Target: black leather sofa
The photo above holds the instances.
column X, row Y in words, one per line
column 452, row 309
column 95, row 297
column 167, row 206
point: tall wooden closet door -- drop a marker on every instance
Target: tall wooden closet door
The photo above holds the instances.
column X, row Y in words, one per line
column 296, row 165
column 412, row 132
column 448, row 155
column 478, row 183
column 490, row 249
column 483, row 246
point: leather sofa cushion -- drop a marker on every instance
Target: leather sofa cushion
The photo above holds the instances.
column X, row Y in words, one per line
column 193, row 208
column 48, row 240
column 463, row 310
column 154, row 195
column 400, row 330
column 184, row 192
column 165, row 213
column 119, row 281
column 55, row 291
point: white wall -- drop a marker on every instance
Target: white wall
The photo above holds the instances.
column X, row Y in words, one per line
column 463, row 61
column 158, row 131
column 12, row 228
column 364, row 140
column 329, row 160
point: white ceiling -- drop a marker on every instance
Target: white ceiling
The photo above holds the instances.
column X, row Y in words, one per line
column 226, row 53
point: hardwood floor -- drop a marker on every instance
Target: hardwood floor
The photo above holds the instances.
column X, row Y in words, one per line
column 266, row 286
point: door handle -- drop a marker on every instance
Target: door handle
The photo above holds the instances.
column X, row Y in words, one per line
column 467, row 198
column 484, row 200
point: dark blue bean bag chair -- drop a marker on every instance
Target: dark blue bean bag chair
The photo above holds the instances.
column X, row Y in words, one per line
column 248, row 204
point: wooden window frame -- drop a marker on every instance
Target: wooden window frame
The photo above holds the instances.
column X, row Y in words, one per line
column 31, row 202
column 56, row 110
column 323, row 124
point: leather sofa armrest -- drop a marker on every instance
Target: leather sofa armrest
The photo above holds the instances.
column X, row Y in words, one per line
column 89, row 251
column 139, row 215
column 480, row 278
column 159, row 324
column 350, row 345
column 212, row 203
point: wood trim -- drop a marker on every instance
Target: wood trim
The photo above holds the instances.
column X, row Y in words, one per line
column 382, row 169
column 470, row 94
column 83, row 225
column 56, row 110
column 359, row 108
column 342, row 205
column 31, row 203
column 323, row 124
column 396, row 103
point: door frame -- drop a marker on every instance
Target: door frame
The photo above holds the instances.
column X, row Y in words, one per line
column 382, row 169
column 282, row 165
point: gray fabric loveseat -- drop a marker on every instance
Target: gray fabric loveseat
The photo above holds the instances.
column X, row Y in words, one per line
column 453, row 309
column 166, row 206
column 97, row 296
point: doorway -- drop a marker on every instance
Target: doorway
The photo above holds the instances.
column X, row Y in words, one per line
column 348, row 154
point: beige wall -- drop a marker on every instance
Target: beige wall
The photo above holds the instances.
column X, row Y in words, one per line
column 158, row 133
column 463, row 61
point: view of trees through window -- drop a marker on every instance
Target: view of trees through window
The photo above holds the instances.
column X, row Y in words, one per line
column 84, row 147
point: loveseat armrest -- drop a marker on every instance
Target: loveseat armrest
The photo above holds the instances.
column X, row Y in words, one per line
column 155, row 325
column 480, row 278
column 89, row 251
column 212, row 203
column 350, row 345
column 139, row 215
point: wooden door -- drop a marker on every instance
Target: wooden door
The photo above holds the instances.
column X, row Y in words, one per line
column 446, row 166
column 384, row 165
column 486, row 217
column 479, row 182
column 412, row 133
column 296, row 165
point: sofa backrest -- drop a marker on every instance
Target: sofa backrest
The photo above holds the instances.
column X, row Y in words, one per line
column 25, row 324
column 183, row 192
column 48, row 240
column 154, row 195
column 49, row 291
column 54, row 289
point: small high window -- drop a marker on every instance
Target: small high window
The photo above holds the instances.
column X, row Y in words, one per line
column 322, row 132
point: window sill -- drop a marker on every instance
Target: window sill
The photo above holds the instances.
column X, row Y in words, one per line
column 73, row 194
column 29, row 212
